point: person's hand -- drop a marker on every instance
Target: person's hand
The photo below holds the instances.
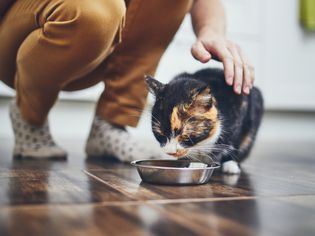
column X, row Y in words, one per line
column 237, row 70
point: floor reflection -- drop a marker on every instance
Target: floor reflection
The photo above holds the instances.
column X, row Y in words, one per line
column 215, row 216
column 62, row 199
column 28, row 181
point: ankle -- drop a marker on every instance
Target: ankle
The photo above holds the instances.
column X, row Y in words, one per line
column 114, row 125
column 32, row 118
column 120, row 127
column 31, row 140
column 29, row 116
column 107, row 139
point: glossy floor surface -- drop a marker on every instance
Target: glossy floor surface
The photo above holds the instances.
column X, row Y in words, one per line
column 274, row 195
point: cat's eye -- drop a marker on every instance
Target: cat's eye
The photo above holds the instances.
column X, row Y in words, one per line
column 177, row 131
column 162, row 144
column 161, row 139
column 186, row 106
column 186, row 141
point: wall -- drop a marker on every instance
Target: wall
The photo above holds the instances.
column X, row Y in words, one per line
column 270, row 34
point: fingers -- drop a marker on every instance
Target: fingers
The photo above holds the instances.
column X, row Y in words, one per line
column 238, row 69
column 200, row 53
column 248, row 71
column 225, row 56
column 252, row 75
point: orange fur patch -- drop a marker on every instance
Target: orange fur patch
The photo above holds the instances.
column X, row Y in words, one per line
column 212, row 115
column 197, row 108
column 157, row 129
column 215, row 128
column 246, row 141
column 176, row 122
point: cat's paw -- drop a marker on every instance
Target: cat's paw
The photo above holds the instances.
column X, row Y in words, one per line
column 231, row 167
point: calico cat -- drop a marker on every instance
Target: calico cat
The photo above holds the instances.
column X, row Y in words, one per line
column 198, row 116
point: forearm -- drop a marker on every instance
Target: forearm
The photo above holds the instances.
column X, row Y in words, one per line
column 208, row 20
column 208, row 15
column 4, row 5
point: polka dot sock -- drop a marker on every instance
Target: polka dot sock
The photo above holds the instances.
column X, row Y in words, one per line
column 106, row 139
column 32, row 141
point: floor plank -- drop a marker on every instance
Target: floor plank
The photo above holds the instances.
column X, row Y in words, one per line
column 20, row 187
column 261, row 216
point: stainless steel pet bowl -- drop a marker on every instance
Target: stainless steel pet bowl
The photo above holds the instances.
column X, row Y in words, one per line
column 174, row 172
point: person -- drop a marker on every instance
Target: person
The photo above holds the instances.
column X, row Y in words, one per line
column 47, row 46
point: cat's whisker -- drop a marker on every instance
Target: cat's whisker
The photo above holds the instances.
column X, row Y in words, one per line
column 207, row 155
column 204, row 149
column 216, row 145
column 185, row 123
column 156, row 119
column 203, row 154
column 193, row 158
column 211, row 147
column 233, row 156
column 190, row 139
column 225, row 148
column 207, row 151
column 155, row 122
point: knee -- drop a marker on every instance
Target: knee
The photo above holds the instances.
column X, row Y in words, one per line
column 100, row 18
column 92, row 22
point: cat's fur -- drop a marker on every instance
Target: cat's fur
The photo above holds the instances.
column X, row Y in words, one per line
column 199, row 116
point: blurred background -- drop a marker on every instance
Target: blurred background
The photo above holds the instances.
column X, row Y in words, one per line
column 276, row 38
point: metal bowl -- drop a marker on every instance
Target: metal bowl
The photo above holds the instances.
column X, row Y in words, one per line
column 174, row 172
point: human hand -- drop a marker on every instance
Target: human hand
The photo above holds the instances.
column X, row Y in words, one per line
column 238, row 72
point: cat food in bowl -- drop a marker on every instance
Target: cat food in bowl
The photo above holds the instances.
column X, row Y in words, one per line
column 174, row 172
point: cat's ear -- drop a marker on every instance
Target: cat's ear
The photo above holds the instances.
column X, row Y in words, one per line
column 155, row 87
column 203, row 97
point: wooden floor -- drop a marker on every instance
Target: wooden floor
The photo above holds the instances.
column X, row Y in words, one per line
column 275, row 195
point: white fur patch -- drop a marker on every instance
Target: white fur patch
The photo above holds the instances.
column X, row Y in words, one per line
column 171, row 146
column 231, row 167
column 217, row 134
column 230, row 179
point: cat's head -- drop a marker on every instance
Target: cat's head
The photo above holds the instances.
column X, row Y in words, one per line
column 184, row 116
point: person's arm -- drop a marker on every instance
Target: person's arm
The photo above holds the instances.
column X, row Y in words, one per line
column 208, row 20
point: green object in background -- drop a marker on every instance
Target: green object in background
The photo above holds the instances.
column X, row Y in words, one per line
column 307, row 14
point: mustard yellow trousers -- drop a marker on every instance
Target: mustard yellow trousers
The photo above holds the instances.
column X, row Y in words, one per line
column 47, row 46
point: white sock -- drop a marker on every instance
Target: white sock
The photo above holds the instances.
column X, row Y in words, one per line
column 108, row 139
column 32, row 141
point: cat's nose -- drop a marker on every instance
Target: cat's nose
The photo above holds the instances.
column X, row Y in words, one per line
column 171, row 153
column 178, row 153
